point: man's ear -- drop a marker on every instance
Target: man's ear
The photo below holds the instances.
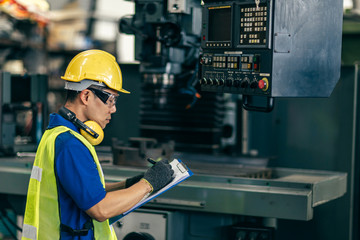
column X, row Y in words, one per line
column 84, row 96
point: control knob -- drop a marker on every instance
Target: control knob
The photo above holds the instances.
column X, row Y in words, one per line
column 244, row 84
column 236, row 83
column 228, row 83
column 254, row 84
column 203, row 81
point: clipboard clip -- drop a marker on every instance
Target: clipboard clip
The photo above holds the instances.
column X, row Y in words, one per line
column 182, row 167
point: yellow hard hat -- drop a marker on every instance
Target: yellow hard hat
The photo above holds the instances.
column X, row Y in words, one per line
column 94, row 65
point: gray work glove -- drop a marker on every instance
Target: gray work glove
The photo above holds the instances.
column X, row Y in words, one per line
column 131, row 181
column 159, row 175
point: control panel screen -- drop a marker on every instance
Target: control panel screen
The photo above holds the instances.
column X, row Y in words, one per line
column 220, row 22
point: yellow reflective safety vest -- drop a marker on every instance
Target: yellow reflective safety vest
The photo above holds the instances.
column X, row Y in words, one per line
column 42, row 220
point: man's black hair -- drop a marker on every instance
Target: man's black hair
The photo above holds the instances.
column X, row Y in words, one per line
column 71, row 95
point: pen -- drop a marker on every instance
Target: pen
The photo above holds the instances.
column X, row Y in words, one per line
column 152, row 161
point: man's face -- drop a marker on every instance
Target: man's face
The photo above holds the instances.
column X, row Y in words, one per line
column 99, row 111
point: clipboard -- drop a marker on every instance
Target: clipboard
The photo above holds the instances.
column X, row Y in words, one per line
column 181, row 172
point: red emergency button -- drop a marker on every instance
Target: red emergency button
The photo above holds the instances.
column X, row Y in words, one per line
column 263, row 84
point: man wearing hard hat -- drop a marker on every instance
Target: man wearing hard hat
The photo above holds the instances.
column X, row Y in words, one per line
column 67, row 196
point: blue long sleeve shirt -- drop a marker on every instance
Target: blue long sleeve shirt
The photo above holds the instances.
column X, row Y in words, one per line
column 78, row 181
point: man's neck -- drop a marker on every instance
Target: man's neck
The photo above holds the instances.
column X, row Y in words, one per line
column 77, row 110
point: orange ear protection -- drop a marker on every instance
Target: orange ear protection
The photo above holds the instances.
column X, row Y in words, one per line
column 90, row 130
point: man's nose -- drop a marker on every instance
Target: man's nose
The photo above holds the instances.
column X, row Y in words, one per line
column 113, row 109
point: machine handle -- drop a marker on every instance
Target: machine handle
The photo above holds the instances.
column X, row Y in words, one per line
column 247, row 104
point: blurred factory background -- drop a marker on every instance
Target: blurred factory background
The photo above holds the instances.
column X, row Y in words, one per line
column 288, row 170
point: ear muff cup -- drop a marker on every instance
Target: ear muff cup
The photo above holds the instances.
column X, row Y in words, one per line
column 90, row 130
column 95, row 127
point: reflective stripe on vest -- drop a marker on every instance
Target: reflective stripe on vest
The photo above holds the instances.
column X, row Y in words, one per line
column 41, row 220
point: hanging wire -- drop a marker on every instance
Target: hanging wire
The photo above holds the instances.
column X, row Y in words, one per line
column 190, row 88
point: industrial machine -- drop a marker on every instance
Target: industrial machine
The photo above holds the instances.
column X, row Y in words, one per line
column 23, row 112
column 149, row 224
column 137, row 150
column 224, row 202
column 167, row 45
column 192, row 57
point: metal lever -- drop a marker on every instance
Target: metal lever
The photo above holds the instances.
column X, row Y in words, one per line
column 247, row 104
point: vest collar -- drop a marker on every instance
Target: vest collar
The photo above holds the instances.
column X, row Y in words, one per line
column 58, row 120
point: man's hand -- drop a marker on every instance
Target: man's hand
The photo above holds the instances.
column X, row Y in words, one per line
column 159, row 175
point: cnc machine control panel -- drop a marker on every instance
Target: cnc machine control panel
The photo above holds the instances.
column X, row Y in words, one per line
column 271, row 48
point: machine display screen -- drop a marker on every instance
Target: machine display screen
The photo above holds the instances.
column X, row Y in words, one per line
column 220, row 23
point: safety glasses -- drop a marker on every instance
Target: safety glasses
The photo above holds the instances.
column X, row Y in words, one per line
column 107, row 98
